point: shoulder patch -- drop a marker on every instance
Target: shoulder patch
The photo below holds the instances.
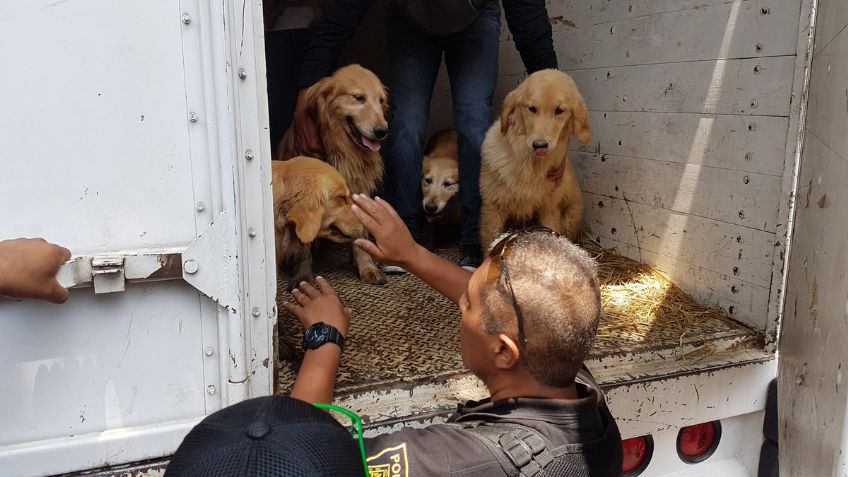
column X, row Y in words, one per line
column 389, row 462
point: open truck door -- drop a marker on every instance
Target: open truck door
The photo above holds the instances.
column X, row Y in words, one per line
column 813, row 396
column 131, row 136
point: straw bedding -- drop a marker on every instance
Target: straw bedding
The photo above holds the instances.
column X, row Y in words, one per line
column 404, row 331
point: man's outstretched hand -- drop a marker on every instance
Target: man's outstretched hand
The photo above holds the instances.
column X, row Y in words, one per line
column 28, row 269
column 319, row 305
column 393, row 244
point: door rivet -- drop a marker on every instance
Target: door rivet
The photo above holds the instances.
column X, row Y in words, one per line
column 186, row 18
column 249, row 155
column 209, row 351
column 211, row 390
column 255, row 312
column 242, row 73
column 191, row 266
column 193, row 117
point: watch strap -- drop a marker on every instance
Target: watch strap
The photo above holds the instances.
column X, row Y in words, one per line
column 320, row 334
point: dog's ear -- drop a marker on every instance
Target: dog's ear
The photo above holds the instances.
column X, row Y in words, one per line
column 580, row 126
column 307, row 222
column 508, row 108
column 306, row 127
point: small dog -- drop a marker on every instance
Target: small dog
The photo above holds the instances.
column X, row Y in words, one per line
column 311, row 200
column 526, row 177
column 348, row 111
column 439, row 188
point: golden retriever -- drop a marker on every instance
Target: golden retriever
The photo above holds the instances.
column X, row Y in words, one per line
column 348, row 111
column 439, row 187
column 311, row 200
column 526, row 177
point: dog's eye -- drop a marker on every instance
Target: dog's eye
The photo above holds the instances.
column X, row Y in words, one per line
column 428, row 180
column 382, row 100
column 447, row 183
column 559, row 111
column 532, row 109
column 359, row 98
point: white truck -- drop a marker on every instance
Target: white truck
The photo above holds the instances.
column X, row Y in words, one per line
column 135, row 134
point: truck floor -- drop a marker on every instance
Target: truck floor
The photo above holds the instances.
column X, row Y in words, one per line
column 404, row 333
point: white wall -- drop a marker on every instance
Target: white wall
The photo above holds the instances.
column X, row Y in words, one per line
column 813, row 353
column 690, row 106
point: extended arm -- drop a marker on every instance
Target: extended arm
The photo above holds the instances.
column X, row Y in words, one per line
column 531, row 30
column 331, row 33
column 394, row 245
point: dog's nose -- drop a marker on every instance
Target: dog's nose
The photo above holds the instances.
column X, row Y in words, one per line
column 430, row 208
column 381, row 132
column 540, row 144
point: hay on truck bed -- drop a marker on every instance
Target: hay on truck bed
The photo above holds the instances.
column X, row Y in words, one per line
column 406, row 332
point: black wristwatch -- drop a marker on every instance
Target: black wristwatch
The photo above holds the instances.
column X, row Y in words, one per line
column 320, row 334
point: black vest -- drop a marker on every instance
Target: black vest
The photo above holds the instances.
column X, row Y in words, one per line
column 440, row 17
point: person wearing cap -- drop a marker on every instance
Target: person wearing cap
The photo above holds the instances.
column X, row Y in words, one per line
column 529, row 317
column 419, row 33
column 271, row 436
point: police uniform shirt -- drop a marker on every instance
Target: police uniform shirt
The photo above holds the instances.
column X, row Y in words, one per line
column 583, row 428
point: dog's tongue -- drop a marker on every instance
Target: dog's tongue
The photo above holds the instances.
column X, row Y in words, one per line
column 373, row 145
column 540, row 151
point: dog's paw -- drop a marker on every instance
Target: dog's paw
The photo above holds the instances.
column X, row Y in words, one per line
column 372, row 276
column 300, row 278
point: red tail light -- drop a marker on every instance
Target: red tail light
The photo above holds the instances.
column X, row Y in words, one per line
column 637, row 454
column 697, row 443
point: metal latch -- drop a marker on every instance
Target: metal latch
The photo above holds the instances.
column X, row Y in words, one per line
column 109, row 274
column 209, row 264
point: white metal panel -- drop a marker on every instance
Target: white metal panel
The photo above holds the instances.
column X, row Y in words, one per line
column 95, row 149
column 739, row 143
column 108, row 379
column 758, row 86
column 812, row 394
column 742, row 198
column 733, row 29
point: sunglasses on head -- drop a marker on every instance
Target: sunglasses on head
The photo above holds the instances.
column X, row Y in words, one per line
column 499, row 267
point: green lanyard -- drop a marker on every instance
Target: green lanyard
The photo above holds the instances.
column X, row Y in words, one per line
column 355, row 429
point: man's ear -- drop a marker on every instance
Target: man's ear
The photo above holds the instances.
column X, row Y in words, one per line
column 307, row 222
column 508, row 108
column 507, row 353
column 580, row 126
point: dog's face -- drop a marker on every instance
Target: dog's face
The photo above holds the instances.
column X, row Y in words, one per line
column 439, row 184
column 317, row 203
column 353, row 100
column 546, row 109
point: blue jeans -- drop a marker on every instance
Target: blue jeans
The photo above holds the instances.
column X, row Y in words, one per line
column 471, row 58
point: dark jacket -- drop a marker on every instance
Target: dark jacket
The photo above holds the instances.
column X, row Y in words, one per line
column 527, row 19
column 581, row 434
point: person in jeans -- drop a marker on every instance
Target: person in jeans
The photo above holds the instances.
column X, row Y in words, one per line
column 419, row 33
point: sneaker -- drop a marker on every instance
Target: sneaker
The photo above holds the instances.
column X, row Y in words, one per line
column 393, row 269
column 470, row 263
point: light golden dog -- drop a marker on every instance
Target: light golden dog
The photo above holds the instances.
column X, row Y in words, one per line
column 347, row 110
column 311, row 200
column 526, row 177
column 440, row 175
column 440, row 189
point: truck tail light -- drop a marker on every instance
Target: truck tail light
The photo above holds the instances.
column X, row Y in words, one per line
column 697, row 443
column 637, row 454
